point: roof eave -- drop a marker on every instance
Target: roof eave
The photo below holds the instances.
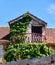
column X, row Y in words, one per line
column 16, row 19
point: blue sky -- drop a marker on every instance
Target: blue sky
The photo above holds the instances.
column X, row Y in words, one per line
column 43, row 9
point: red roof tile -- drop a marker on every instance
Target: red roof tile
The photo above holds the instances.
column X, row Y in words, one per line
column 50, row 35
column 4, row 31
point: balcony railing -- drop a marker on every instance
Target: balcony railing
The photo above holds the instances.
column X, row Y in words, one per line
column 31, row 37
column 35, row 37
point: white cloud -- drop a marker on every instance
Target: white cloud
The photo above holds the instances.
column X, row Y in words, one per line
column 51, row 9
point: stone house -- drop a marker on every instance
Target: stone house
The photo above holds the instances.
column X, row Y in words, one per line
column 37, row 32
column 36, row 28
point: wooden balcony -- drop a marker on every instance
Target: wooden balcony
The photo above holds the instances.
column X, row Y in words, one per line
column 30, row 37
column 35, row 37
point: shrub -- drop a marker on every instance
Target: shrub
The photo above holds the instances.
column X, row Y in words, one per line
column 26, row 50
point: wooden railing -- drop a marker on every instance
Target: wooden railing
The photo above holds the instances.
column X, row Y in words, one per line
column 31, row 37
column 35, row 37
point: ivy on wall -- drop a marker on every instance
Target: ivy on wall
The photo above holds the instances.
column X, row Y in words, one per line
column 22, row 51
column 19, row 27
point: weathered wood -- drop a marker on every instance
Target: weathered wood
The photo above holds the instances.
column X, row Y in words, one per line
column 35, row 37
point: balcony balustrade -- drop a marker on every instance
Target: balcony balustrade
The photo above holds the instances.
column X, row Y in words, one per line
column 35, row 37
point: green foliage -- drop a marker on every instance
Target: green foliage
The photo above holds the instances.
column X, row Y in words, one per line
column 26, row 50
column 23, row 50
column 19, row 27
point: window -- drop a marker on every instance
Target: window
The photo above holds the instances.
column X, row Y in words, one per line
column 37, row 29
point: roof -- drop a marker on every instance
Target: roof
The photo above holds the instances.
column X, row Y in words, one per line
column 4, row 41
column 50, row 35
column 4, row 31
column 31, row 15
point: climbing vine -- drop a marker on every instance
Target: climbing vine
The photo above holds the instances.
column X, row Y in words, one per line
column 18, row 28
column 23, row 50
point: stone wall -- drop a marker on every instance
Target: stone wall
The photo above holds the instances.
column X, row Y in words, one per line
column 49, row 60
